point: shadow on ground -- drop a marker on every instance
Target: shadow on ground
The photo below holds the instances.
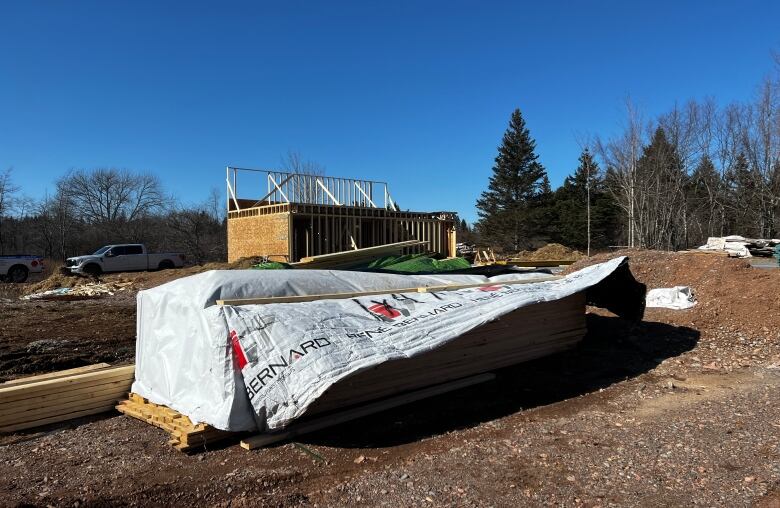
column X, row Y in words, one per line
column 613, row 350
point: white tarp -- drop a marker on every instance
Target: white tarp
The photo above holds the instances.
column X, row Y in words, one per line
column 185, row 357
column 678, row 298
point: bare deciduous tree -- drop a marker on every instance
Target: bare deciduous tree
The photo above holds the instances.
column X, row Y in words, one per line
column 8, row 199
column 109, row 196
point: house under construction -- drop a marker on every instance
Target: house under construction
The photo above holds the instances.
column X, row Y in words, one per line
column 301, row 215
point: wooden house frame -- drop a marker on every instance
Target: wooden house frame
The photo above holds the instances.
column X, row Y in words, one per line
column 302, row 215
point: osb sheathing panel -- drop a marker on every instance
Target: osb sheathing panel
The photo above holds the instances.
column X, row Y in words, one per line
column 263, row 235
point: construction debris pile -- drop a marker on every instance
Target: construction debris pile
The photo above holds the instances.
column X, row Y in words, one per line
column 741, row 247
column 80, row 292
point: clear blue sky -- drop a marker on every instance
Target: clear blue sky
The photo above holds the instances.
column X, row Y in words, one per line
column 415, row 93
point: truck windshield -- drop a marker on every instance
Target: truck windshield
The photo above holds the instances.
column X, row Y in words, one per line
column 101, row 250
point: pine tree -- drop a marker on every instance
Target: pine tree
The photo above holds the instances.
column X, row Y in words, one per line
column 571, row 208
column 511, row 211
column 743, row 200
column 661, row 215
column 704, row 192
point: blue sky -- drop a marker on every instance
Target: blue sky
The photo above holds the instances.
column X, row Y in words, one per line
column 414, row 93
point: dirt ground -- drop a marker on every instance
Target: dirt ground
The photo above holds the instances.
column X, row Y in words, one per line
column 680, row 409
column 41, row 336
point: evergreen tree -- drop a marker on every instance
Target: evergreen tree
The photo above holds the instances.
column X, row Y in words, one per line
column 571, row 208
column 661, row 213
column 511, row 210
column 704, row 192
column 743, row 198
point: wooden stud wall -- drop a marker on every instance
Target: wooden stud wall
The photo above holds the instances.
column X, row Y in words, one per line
column 311, row 230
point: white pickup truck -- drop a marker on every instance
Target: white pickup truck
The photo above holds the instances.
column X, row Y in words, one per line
column 128, row 257
column 17, row 268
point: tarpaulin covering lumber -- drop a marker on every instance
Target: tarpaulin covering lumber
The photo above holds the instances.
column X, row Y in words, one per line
column 248, row 367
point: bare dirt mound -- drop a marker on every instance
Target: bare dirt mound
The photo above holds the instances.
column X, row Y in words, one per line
column 551, row 251
column 738, row 309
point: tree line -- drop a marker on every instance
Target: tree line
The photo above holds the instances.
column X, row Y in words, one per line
column 668, row 183
column 90, row 208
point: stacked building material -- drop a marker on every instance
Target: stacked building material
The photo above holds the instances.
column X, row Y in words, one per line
column 251, row 350
column 739, row 246
column 522, row 335
column 60, row 396
column 346, row 259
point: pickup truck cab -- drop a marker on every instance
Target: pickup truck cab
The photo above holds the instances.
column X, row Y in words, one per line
column 18, row 268
column 128, row 257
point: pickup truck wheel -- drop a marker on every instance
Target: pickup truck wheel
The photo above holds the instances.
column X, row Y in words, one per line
column 18, row 273
column 165, row 264
column 93, row 269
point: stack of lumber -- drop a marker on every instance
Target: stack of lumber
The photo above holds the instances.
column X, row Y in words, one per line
column 525, row 334
column 355, row 257
column 418, row 289
column 522, row 335
column 59, row 396
column 185, row 435
column 313, row 425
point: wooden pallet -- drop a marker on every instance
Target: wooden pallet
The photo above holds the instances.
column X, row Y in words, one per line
column 185, row 435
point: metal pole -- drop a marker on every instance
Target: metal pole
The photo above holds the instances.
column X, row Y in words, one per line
column 587, row 187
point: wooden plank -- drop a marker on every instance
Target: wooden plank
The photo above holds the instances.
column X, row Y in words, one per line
column 58, row 418
column 70, row 395
column 419, row 289
column 366, row 251
column 525, row 334
column 54, row 375
column 359, row 412
column 35, row 414
column 65, row 384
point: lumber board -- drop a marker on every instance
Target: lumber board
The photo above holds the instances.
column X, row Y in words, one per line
column 364, row 252
column 66, row 384
column 54, row 375
column 524, row 334
column 335, row 296
column 359, row 412
column 65, row 397
column 34, row 414
column 58, row 418
column 385, row 382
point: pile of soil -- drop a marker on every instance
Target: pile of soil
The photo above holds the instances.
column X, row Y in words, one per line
column 551, row 251
column 738, row 306
column 730, row 292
